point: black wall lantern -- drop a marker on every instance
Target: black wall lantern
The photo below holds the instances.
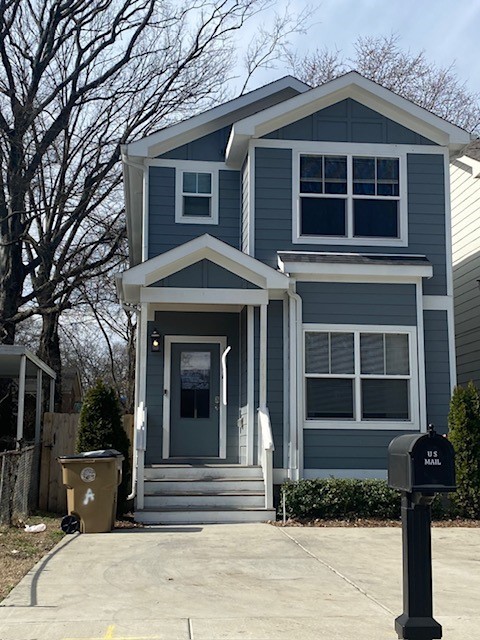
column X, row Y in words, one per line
column 155, row 341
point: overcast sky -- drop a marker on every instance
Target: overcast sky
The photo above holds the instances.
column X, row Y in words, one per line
column 448, row 30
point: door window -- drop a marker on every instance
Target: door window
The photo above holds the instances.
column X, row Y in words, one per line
column 195, row 367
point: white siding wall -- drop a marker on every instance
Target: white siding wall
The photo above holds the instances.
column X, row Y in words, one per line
column 465, row 194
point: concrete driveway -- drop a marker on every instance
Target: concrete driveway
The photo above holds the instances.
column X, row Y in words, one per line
column 238, row 582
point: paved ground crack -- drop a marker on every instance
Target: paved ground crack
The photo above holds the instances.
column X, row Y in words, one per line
column 337, row 573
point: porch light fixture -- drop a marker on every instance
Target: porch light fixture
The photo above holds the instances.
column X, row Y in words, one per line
column 155, row 341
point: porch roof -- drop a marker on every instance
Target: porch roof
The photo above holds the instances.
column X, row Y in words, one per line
column 205, row 247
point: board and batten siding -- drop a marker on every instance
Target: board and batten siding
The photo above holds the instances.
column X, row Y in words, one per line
column 358, row 303
column 348, row 121
column 205, row 274
column 437, row 368
column 165, row 234
column 426, row 213
column 465, row 199
column 188, row 324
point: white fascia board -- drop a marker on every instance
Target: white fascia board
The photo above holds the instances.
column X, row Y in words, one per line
column 174, row 295
column 209, row 248
column 472, row 163
column 208, row 121
column 351, row 85
column 386, row 271
column 133, row 172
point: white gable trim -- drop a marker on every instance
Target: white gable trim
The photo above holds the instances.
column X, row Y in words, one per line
column 205, row 247
column 208, row 121
column 472, row 163
column 350, row 85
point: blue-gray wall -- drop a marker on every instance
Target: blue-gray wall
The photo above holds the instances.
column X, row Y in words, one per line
column 348, row 121
column 200, row 324
column 426, row 213
column 346, row 448
column 437, row 367
column 358, row 303
column 165, row 234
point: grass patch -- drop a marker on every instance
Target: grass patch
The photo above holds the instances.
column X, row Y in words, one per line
column 20, row 551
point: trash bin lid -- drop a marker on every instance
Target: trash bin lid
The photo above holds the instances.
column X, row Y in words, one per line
column 101, row 453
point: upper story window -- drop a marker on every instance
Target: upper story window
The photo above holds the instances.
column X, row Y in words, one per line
column 350, row 199
column 362, row 376
column 197, row 197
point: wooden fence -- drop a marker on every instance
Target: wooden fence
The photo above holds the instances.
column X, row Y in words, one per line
column 59, row 437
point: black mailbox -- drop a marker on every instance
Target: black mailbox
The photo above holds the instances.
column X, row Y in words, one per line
column 423, row 463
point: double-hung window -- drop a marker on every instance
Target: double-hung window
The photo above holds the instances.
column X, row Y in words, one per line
column 197, row 201
column 352, row 199
column 359, row 376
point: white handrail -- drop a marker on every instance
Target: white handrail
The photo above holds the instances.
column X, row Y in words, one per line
column 224, row 375
column 266, row 449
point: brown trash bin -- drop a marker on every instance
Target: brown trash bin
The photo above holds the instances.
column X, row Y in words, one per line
column 92, row 480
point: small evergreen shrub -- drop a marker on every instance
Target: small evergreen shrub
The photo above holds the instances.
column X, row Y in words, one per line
column 464, row 434
column 100, row 427
column 349, row 499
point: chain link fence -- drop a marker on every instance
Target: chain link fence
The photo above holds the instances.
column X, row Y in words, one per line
column 19, row 473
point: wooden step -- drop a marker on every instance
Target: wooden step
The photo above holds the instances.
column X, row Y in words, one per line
column 203, row 515
column 188, row 500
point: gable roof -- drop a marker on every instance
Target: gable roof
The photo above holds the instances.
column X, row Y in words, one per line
column 351, row 85
column 205, row 247
column 213, row 119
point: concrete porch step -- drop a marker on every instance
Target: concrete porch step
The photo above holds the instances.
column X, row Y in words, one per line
column 201, row 472
column 203, row 515
column 163, row 486
column 192, row 499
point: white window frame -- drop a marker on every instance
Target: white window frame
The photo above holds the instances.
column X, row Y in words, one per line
column 357, row 422
column 350, row 151
column 196, row 167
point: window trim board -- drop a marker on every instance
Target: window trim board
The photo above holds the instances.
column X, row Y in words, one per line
column 194, row 167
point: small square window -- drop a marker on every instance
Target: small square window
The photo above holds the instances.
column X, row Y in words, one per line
column 196, row 197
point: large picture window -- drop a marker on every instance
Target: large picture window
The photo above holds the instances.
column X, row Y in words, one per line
column 350, row 197
column 358, row 376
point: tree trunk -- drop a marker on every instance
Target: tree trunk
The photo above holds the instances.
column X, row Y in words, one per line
column 49, row 351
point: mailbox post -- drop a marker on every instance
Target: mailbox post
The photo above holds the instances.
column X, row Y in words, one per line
column 419, row 465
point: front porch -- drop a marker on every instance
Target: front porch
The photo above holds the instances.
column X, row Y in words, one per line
column 204, row 443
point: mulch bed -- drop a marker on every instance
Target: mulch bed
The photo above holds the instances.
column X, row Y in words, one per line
column 367, row 522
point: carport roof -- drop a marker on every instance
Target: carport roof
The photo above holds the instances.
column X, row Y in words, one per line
column 10, row 357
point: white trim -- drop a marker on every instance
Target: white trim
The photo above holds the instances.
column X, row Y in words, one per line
column 422, row 388
column 145, row 212
column 251, row 205
column 195, row 167
column 286, row 380
column 300, row 364
column 437, row 303
column 452, row 355
column 174, row 295
column 448, row 226
column 262, row 366
column 179, row 134
column 357, row 423
column 473, row 164
column 202, row 166
column 167, row 367
column 250, row 385
column 142, row 401
column 340, row 148
column 349, row 152
column 357, row 474
column 347, row 271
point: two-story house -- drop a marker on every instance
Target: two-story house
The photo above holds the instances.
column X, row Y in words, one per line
column 291, row 264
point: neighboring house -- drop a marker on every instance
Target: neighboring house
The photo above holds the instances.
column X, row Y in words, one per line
column 465, row 195
column 291, row 264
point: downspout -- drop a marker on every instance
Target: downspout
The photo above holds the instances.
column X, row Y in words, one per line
column 137, row 416
column 295, row 328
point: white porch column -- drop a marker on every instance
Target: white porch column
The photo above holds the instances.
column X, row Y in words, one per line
column 38, row 406
column 141, row 364
column 251, row 413
column 263, row 357
column 21, row 397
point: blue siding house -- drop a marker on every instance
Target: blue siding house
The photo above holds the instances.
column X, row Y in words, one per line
column 290, row 263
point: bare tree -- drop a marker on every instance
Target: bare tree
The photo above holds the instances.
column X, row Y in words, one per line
column 409, row 74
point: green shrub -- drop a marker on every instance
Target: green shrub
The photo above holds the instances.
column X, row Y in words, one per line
column 349, row 499
column 100, row 427
column 464, row 434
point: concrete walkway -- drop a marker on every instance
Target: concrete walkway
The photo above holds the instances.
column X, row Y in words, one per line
column 238, row 582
